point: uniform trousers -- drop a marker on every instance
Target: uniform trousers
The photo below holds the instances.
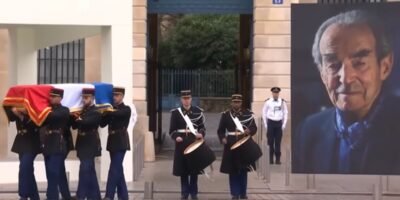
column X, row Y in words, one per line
column 189, row 185
column 274, row 137
column 116, row 177
column 88, row 186
column 27, row 187
column 238, row 183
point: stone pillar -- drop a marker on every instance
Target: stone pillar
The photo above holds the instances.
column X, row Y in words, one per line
column 92, row 59
column 139, row 44
column 22, row 66
column 271, row 52
column 4, row 54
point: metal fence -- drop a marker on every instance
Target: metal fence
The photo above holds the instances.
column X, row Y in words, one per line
column 203, row 83
column 138, row 157
column 62, row 63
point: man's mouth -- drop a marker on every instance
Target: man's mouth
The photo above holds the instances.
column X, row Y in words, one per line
column 348, row 93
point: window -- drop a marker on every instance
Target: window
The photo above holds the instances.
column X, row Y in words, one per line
column 64, row 63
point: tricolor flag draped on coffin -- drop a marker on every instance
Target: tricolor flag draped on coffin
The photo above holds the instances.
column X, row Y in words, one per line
column 35, row 98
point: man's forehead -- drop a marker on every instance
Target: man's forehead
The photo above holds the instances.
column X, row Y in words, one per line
column 348, row 38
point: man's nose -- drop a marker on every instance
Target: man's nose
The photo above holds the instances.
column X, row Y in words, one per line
column 347, row 73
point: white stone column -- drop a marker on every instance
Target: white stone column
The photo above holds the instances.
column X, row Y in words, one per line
column 116, row 62
column 22, row 66
column 23, row 56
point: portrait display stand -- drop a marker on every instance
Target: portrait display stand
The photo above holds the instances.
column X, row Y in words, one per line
column 149, row 190
column 263, row 166
column 387, row 183
column 311, row 183
column 267, row 166
column 377, row 193
column 288, row 165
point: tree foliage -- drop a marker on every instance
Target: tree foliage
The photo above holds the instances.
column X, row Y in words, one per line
column 201, row 41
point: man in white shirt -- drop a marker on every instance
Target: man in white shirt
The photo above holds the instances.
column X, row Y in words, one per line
column 274, row 115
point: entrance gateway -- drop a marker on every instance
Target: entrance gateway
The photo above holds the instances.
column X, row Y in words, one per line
column 243, row 71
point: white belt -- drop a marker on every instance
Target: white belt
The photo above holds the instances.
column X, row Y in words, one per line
column 184, row 130
column 235, row 133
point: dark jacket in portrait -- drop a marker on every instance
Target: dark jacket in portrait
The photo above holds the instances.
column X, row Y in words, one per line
column 318, row 143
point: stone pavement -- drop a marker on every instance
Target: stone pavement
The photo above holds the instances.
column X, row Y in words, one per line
column 166, row 186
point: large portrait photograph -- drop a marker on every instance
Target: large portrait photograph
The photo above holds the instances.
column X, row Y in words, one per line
column 345, row 80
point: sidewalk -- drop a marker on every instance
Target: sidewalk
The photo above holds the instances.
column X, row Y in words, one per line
column 166, row 186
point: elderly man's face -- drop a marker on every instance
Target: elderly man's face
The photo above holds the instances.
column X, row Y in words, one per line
column 350, row 69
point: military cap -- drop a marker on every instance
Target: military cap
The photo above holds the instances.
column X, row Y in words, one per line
column 88, row 92
column 186, row 93
column 119, row 90
column 237, row 97
column 275, row 89
column 57, row 92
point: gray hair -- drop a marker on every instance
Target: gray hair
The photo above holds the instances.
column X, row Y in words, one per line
column 354, row 17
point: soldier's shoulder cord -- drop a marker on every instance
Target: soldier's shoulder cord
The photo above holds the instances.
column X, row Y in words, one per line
column 201, row 109
column 249, row 111
column 226, row 111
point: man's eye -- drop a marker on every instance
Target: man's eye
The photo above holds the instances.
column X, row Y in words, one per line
column 334, row 67
column 358, row 64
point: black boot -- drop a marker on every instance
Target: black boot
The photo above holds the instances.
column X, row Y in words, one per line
column 278, row 160
column 271, row 155
column 271, row 158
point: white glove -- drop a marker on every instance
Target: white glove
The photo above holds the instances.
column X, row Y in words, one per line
column 283, row 127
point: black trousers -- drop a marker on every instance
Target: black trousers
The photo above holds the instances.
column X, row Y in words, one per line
column 274, row 136
column 189, row 185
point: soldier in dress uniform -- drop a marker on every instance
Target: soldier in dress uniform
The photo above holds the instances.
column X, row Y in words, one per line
column 182, row 136
column 54, row 143
column 117, row 144
column 88, row 145
column 228, row 135
column 27, row 146
column 275, row 114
